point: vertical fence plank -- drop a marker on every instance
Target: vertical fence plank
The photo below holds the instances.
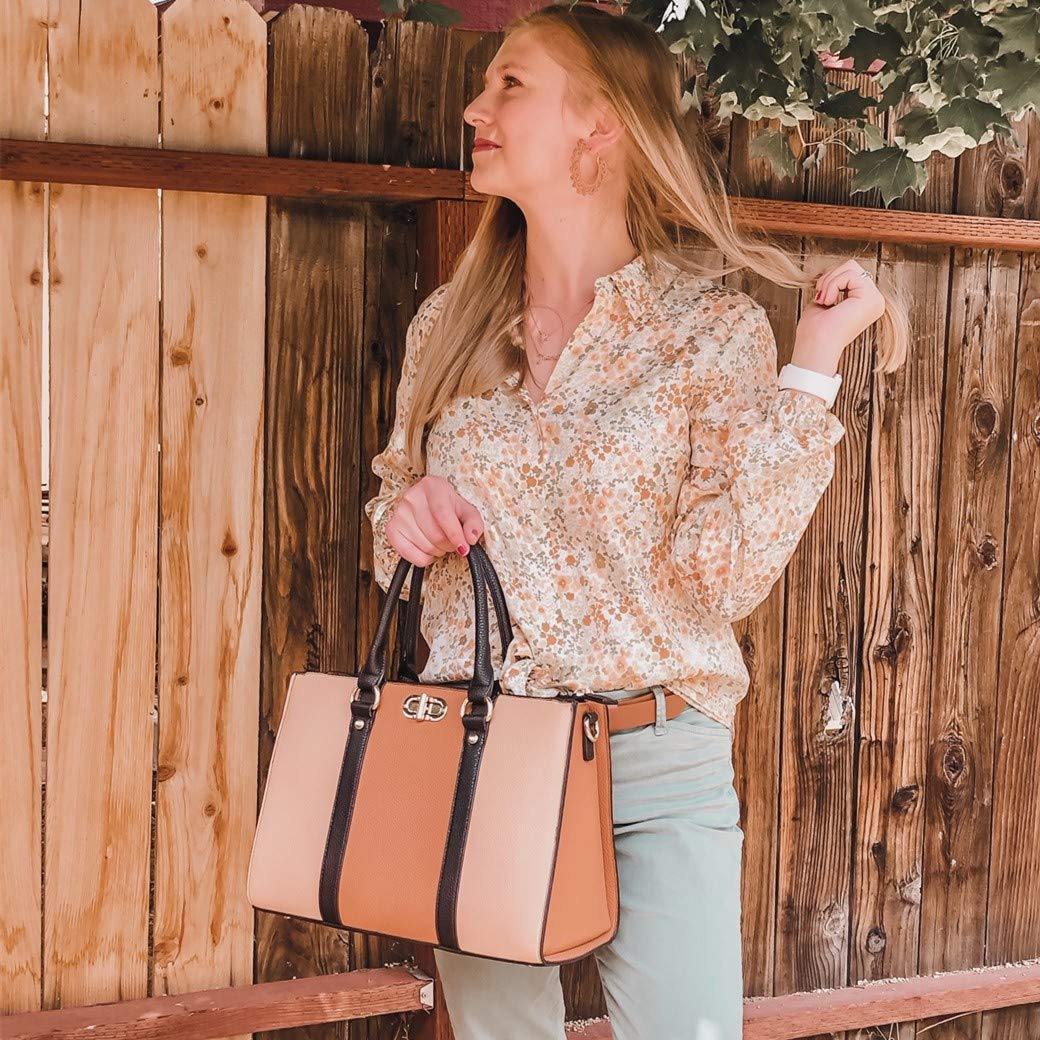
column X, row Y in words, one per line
column 1013, row 909
column 416, row 119
column 23, row 54
column 1001, row 179
column 821, row 637
column 898, row 602
column 897, row 647
column 316, row 299
column 103, row 507
column 963, row 699
column 214, row 77
column 972, row 516
column 757, row 730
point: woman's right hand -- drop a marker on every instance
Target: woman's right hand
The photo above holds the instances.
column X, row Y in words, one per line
column 430, row 519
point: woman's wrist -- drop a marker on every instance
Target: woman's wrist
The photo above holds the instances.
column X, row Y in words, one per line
column 817, row 357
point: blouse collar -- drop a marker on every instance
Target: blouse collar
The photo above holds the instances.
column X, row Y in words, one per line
column 636, row 285
column 633, row 282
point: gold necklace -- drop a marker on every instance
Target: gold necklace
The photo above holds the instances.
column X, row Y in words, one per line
column 543, row 336
column 543, row 357
column 541, row 386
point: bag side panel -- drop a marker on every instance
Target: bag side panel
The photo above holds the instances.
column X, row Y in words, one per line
column 580, row 915
column 289, row 842
column 511, row 845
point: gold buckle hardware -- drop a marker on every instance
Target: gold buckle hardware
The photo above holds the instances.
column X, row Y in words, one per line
column 424, row 706
column 375, row 703
column 490, row 708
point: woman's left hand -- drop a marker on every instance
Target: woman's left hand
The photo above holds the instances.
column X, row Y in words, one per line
column 831, row 323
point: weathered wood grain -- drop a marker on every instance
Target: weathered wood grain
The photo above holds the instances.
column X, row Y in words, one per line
column 316, row 299
column 974, row 465
column 23, row 229
column 898, row 592
column 821, row 647
column 104, row 486
column 1003, row 179
column 758, row 725
column 1013, row 904
column 214, row 89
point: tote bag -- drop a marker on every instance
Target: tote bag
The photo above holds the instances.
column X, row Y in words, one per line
column 448, row 813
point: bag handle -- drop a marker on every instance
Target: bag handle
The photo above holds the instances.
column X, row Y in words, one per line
column 372, row 675
column 409, row 625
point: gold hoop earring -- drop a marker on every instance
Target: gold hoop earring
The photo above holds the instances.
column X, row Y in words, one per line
column 586, row 187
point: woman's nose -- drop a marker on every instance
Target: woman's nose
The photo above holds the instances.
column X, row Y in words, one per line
column 474, row 111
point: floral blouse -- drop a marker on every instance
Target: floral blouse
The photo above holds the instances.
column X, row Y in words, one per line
column 650, row 499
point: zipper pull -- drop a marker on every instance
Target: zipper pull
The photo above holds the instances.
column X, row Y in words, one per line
column 589, row 733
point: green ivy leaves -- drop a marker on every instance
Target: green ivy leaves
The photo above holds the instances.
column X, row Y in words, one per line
column 951, row 77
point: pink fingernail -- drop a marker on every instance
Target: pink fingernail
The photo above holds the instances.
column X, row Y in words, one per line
column 461, row 550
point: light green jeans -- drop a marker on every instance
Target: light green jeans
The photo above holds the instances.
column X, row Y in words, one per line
column 673, row 971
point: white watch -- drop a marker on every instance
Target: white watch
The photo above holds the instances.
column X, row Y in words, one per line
column 798, row 378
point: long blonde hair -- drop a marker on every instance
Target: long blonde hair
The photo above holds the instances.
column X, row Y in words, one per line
column 676, row 200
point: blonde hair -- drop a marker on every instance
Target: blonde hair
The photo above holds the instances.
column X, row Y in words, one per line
column 676, row 199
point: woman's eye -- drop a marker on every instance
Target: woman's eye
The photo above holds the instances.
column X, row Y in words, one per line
column 507, row 79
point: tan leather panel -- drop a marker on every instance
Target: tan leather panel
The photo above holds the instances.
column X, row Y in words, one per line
column 395, row 846
column 606, row 810
column 579, row 902
column 293, row 824
column 511, row 846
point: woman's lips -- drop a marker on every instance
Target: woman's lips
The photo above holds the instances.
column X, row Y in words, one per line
column 484, row 147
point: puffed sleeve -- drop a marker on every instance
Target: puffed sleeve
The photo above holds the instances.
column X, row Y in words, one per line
column 391, row 465
column 761, row 458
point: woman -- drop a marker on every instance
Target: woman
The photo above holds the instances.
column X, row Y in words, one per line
column 610, row 420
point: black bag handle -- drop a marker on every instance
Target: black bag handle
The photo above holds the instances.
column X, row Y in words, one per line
column 409, row 624
column 373, row 674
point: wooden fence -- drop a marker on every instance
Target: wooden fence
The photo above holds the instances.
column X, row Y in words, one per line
column 199, row 378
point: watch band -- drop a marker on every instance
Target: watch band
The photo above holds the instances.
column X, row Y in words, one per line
column 808, row 379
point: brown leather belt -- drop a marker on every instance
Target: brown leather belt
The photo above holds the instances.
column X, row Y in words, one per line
column 633, row 712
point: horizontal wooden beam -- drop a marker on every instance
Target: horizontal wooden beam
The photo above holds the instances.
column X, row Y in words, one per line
column 864, row 224
column 60, row 162
column 232, row 1010
column 882, row 1001
column 874, row 1003
column 229, row 174
column 215, row 1013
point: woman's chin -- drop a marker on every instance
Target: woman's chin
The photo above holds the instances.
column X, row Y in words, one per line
column 480, row 181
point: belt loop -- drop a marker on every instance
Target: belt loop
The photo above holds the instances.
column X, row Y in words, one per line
column 659, row 713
